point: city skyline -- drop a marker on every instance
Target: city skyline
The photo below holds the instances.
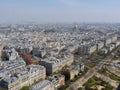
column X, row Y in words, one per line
column 14, row 11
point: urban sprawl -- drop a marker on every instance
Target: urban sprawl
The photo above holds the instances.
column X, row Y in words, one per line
column 60, row 56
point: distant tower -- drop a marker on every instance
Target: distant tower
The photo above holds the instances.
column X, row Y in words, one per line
column 76, row 29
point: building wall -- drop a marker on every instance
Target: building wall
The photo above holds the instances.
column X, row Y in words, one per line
column 52, row 68
column 27, row 79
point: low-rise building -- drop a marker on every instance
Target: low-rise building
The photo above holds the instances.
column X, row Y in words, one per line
column 103, row 51
column 110, row 47
column 9, row 53
column 70, row 73
column 114, row 38
column 25, row 77
column 73, row 70
column 87, row 49
column 57, row 80
column 43, row 85
column 55, row 64
column 100, row 45
column 39, row 52
column 12, row 66
column 107, row 41
column 117, row 43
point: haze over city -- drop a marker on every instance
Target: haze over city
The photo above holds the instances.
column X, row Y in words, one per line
column 20, row 11
column 59, row 45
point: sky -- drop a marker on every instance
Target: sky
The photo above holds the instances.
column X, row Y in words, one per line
column 21, row 11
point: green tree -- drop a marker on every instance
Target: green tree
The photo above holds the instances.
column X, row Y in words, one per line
column 25, row 88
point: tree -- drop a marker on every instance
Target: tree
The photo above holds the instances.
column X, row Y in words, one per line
column 24, row 88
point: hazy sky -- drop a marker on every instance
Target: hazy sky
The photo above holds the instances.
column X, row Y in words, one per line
column 14, row 11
